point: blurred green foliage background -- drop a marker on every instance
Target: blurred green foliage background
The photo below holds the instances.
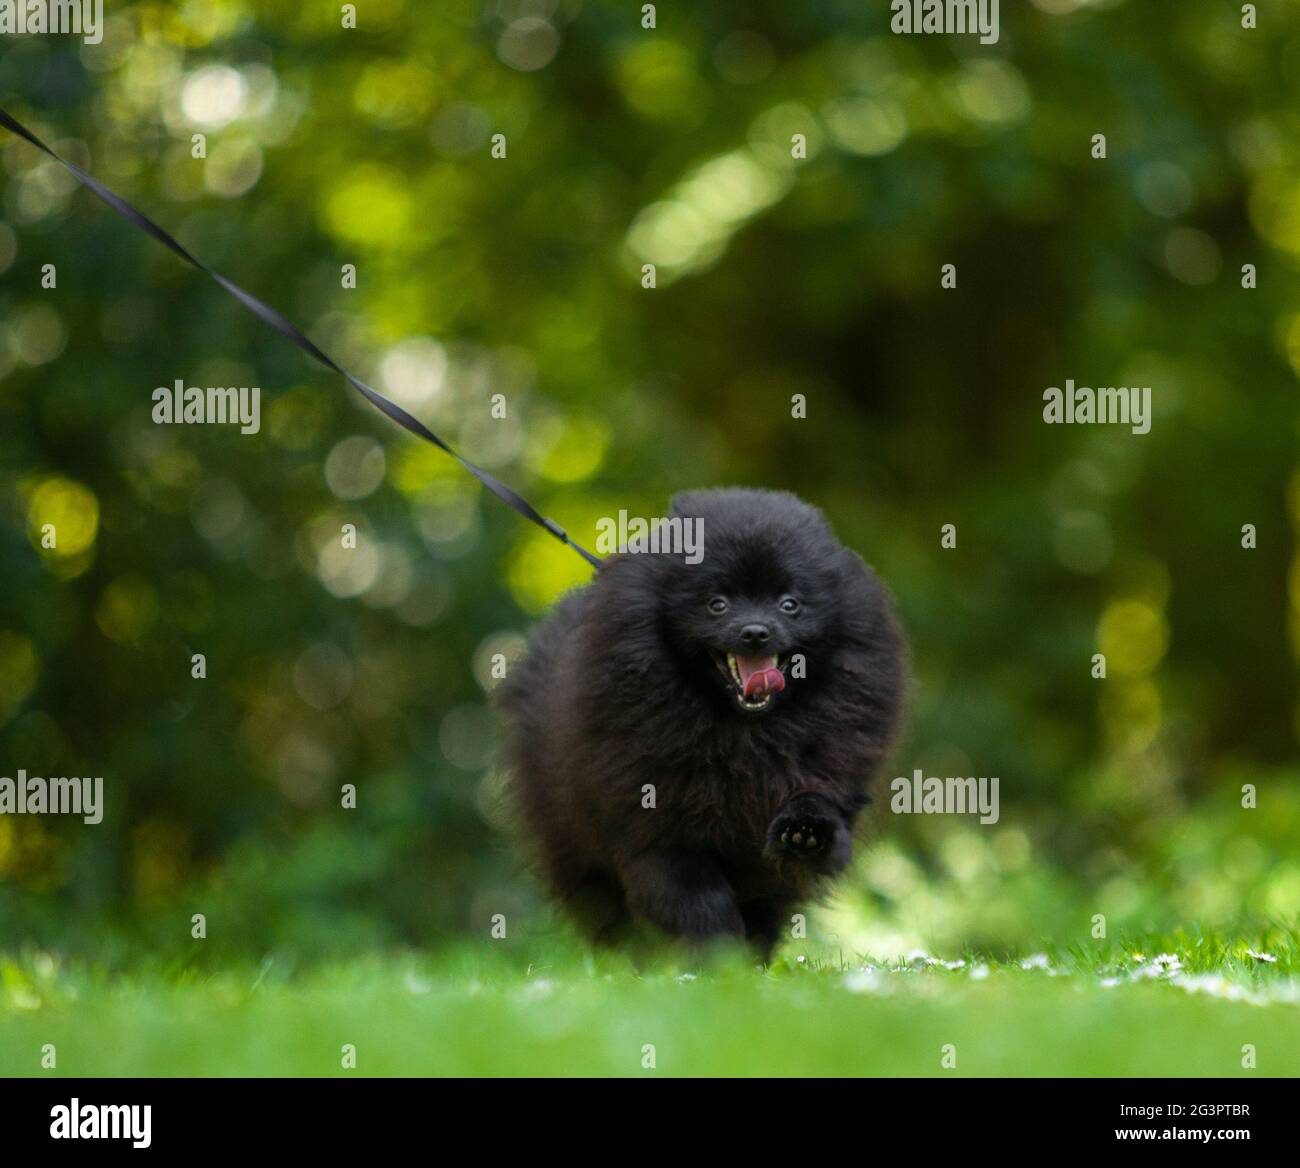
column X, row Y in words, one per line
column 523, row 276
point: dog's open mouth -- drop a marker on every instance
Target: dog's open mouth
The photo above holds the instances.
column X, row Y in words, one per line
column 756, row 680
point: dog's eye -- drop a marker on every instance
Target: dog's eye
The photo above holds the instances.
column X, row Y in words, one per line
column 789, row 604
column 717, row 606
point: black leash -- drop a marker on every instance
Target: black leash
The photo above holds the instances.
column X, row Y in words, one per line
column 284, row 328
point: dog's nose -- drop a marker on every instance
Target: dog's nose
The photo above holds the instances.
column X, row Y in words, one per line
column 754, row 636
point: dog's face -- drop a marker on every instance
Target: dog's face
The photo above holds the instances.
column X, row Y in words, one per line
column 750, row 635
column 764, row 594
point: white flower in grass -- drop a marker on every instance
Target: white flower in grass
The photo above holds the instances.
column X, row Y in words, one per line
column 1218, row 987
column 415, row 984
column 1035, row 961
column 979, row 972
column 1269, row 957
column 1164, row 965
column 921, row 957
column 863, row 981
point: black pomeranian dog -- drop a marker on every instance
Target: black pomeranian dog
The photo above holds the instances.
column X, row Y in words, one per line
column 693, row 741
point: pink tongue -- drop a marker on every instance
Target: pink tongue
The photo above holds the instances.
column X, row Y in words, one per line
column 760, row 675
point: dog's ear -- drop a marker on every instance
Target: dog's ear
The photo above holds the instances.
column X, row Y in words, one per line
column 856, row 567
column 857, row 581
column 852, row 564
column 684, row 503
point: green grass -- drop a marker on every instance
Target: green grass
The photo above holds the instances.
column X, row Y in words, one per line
column 488, row 1011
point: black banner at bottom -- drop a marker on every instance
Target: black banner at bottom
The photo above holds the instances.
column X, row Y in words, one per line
column 336, row 1116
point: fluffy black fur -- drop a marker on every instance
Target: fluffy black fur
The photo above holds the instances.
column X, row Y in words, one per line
column 626, row 686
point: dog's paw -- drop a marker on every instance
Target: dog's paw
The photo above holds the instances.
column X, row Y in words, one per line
column 802, row 834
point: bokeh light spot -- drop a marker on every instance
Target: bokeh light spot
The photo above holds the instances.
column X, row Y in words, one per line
column 70, row 508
